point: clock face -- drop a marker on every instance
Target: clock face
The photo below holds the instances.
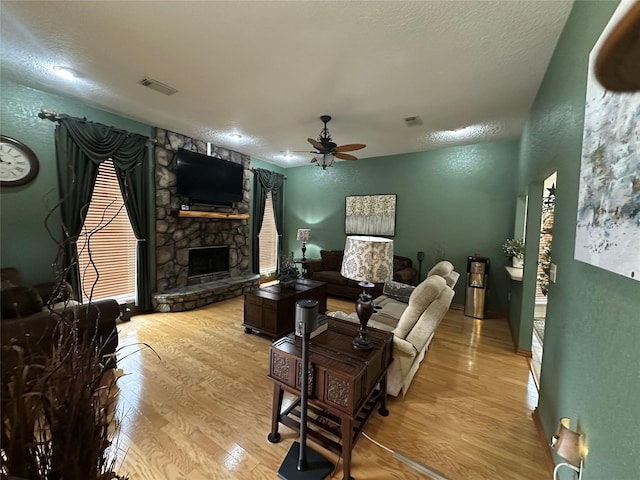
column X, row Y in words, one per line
column 18, row 164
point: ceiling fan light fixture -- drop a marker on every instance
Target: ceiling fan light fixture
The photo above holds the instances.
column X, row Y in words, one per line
column 324, row 160
column 327, row 151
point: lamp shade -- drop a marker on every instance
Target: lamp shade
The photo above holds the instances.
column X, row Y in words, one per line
column 368, row 259
column 324, row 160
column 568, row 443
column 303, row 234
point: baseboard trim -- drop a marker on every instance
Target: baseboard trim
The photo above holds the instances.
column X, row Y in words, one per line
column 519, row 351
column 548, row 457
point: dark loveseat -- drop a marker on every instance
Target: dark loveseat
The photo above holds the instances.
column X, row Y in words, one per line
column 28, row 323
column 327, row 269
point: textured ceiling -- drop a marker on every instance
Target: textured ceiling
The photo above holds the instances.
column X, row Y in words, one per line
column 268, row 69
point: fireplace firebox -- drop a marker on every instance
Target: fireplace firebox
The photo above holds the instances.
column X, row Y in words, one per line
column 208, row 261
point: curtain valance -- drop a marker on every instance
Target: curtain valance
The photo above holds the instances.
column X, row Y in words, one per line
column 81, row 146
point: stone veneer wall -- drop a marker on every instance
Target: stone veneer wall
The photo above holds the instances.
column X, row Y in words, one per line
column 174, row 236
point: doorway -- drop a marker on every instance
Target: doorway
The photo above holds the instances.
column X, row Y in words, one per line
column 542, row 274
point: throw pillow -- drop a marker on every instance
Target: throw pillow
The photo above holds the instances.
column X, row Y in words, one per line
column 331, row 259
column 20, row 300
column 398, row 291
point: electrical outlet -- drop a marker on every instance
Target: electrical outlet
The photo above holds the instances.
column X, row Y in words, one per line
column 553, row 271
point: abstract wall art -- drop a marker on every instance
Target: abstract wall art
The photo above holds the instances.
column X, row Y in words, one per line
column 370, row 215
column 608, row 218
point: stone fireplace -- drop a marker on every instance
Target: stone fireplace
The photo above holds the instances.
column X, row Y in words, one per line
column 177, row 236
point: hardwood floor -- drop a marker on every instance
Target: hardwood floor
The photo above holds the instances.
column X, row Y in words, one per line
column 202, row 410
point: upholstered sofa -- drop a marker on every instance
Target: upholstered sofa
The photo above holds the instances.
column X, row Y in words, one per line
column 412, row 314
column 327, row 269
column 30, row 315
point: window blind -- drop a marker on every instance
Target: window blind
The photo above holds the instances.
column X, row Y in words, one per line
column 268, row 240
column 107, row 240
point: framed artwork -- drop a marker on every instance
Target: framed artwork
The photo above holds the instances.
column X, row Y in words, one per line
column 607, row 233
column 370, row 215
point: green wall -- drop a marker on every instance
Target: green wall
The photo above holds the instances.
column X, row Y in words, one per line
column 24, row 242
column 459, row 199
column 591, row 367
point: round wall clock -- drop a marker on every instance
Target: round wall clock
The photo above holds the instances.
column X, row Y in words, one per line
column 18, row 164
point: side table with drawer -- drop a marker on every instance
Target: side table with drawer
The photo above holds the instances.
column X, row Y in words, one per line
column 345, row 385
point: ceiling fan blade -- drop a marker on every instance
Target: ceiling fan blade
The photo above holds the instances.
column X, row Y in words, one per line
column 316, row 144
column 345, row 156
column 349, row 147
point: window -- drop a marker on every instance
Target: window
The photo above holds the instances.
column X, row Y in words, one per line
column 268, row 240
column 108, row 240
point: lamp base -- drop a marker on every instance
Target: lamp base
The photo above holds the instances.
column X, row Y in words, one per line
column 364, row 309
column 362, row 343
column 317, row 467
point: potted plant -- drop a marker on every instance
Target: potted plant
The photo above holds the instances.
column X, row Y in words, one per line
column 288, row 271
column 514, row 248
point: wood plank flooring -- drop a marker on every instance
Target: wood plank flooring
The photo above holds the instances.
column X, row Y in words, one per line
column 202, row 409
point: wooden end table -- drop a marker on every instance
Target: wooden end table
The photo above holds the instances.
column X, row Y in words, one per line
column 271, row 310
column 345, row 385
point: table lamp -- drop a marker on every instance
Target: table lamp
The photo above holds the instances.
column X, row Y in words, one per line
column 366, row 260
column 303, row 236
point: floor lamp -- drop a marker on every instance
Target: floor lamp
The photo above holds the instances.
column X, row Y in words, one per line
column 303, row 462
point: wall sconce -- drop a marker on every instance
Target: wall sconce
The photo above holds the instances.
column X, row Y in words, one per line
column 566, row 443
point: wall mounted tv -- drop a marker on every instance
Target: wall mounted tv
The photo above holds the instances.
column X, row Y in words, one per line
column 208, row 180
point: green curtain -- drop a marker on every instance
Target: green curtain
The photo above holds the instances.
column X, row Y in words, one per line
column 80, row 147
column 265, row 181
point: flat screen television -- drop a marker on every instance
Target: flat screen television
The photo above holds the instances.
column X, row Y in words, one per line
column 208, row 180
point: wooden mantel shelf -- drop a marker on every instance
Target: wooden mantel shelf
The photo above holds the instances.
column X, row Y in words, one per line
column 201, row 214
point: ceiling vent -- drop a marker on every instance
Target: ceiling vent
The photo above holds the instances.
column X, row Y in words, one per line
column 157, row 86
column 413, row 121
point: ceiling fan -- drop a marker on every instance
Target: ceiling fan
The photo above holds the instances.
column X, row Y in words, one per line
column 327, row 151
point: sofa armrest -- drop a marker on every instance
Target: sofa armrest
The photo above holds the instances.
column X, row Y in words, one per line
column 312, row 266
column 405, row 275
column 402, row 347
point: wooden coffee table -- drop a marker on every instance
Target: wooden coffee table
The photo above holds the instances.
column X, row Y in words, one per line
column 345, row 385
column 271, row 310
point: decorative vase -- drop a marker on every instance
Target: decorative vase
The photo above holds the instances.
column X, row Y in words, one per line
column 517, row 262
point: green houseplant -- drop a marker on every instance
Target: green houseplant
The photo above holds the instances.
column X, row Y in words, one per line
column 514, row 248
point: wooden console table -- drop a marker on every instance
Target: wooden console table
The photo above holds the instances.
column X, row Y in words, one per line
column 345, row 385
column 271, row 310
